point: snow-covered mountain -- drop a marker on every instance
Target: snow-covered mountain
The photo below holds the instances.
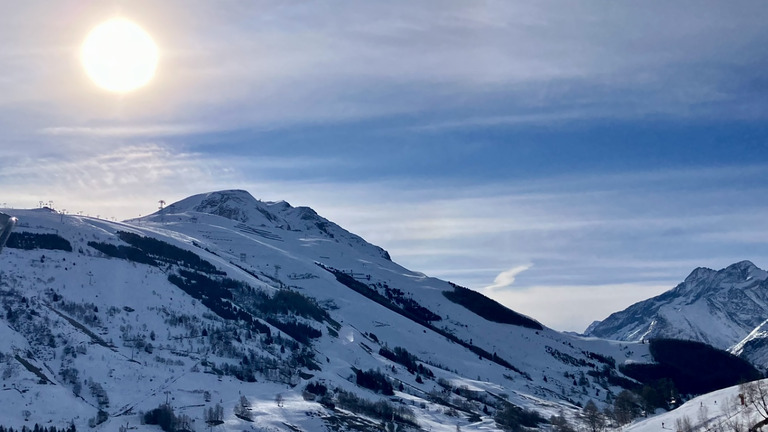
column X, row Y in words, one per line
column 280, row 317
column 726, row 309
column 260, row 216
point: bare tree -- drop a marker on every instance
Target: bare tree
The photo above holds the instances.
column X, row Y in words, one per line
column 626, row 407
column 703, row 415
column 243, row 409
column 755, row 395
column 214, row 416
column 592, row 418
column 244, row 402
column 560, row 424
column 183, row 422
column 279, row 399
column 732, row 416
column 683, row 424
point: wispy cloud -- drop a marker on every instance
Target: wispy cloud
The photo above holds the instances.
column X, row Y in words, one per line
column 154, row 131
column 113, row 183
column 124, row 180
column 524, row 118
column 507, row 278
column 468, row 65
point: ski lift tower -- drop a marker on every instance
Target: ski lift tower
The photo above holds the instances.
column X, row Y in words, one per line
column 162, row 206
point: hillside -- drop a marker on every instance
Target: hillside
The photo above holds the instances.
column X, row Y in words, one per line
column 722, row 410
column 220, row 299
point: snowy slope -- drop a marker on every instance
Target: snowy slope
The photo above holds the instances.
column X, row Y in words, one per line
column 83, row 332
column 721, row 410
column 270, row 220
column 724, row 308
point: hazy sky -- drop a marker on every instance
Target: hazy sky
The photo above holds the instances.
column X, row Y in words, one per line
column 565, row 158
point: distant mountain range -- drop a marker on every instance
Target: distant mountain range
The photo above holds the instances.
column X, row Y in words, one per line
column 727, row 309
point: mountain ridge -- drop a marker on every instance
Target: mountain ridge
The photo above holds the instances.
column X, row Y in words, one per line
column 189, row 301
column 718, row 307
column 220, row 296
column 262, row 217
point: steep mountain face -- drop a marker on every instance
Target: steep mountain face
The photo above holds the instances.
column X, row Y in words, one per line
column 721, row 308
column 249, row 315
column 754, row 347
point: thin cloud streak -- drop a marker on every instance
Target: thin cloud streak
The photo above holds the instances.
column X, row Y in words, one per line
column 507, row 278
column 127, row 131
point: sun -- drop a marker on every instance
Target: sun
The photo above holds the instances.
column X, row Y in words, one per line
column 119, row 56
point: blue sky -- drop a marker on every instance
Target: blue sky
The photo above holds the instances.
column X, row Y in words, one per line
column 566, row 159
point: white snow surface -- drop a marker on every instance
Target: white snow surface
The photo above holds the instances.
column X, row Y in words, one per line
column 106, row 304
column 708, row 412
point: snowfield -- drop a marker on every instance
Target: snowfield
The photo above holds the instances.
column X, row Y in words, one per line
column 83, row 332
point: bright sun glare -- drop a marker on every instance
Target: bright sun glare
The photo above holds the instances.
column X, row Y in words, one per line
column 119, row 56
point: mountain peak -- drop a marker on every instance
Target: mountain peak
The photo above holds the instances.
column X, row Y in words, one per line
column 268, row 218
column 231, row 204
column 716, row 307
column 744, row 267
column 236, row 195
column 737, row 274
column 232, row 192
column 699, row 273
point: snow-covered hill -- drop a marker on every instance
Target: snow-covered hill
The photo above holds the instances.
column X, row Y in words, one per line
column 733, row 409
column 725, row 308
column 221, row 298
